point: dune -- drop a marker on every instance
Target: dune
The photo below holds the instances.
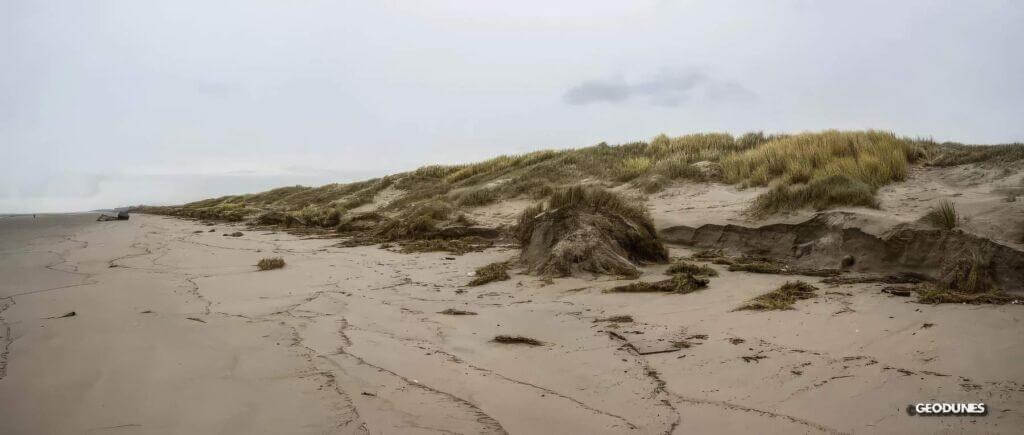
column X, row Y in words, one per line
column 781, row 284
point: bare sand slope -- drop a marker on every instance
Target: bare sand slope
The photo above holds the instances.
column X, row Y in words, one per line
column 176, row 332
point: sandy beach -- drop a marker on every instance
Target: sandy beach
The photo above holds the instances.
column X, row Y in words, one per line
column 175, row 331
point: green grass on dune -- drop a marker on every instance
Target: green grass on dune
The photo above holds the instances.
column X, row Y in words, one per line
column 807, row 170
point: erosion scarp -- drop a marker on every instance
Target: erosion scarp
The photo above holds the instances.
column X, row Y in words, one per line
column 952, row 257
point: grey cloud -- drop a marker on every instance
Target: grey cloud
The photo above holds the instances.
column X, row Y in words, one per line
column 667, row 88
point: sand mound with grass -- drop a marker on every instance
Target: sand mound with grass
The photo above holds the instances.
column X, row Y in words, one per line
column 587, row 229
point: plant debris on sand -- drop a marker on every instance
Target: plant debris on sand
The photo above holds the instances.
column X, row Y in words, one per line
column 679, row 283
column 517, row 339
column 968, row 279
column 781, row 298
column 583, row 228
column 930, row 293
column 455, row 312
column 457, row 246
column 757, row 264
column 490, row 273
column 690, row 268
column 270, row 263
column 625, row 318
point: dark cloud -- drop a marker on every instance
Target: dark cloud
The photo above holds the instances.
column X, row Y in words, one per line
column 667, row 88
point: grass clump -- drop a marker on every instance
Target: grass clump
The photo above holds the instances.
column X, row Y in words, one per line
column 517, row 339
column 490, row 273
column 954, row 154
column 872, row 157
column 781, row 298
column 415, row 222
column 690, row 268
column 943, row 215
column 820, row 194
column 270, row 263
column 476, row 197
column 586, row 228
column 823, row 169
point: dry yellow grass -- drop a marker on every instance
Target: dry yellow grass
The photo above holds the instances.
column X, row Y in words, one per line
column 818, row 170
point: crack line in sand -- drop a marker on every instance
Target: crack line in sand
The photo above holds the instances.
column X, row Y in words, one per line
column 457, row 360
column 482, row 417
column 661, row 385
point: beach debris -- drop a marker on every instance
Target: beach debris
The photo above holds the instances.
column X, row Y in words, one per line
column 736, row 340
column 234, row 234
column 781, row 298
column 68, row 314
column 625, row 318
column 897, row 291
column 753, row 358
column 455, row 312
column 681, row 283
column 517, row 339
column 492, row 272
column 196, row 319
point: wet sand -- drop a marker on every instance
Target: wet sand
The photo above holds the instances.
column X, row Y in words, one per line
column 175, row 331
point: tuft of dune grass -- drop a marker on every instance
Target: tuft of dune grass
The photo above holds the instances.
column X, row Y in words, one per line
column 781, row 298
column 270, row 263
column 943, row 215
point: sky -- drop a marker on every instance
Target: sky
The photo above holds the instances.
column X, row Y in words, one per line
column 112, row 103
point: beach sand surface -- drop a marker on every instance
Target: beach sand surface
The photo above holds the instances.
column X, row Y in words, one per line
column 175, row 331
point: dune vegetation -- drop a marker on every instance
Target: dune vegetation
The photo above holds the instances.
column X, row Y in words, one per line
column 815, row 170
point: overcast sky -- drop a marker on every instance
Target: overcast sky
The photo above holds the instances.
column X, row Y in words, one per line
column 108, row 103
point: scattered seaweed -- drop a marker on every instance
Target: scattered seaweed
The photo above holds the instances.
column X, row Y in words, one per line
column 781, row 298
